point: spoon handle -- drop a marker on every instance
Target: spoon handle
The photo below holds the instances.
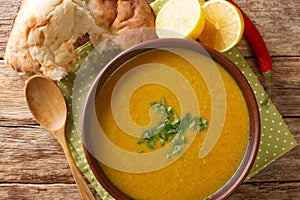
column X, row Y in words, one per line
column 84, row 190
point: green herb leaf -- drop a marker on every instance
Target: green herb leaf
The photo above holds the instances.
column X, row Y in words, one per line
column 171, row 127
column 202, row 124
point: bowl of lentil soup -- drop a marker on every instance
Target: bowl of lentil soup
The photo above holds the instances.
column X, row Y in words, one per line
column 170, row 119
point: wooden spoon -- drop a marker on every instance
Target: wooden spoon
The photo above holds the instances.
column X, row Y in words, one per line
column 48, row 107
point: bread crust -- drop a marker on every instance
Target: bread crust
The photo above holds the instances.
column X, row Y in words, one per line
column 44, row 32
column 132, row 14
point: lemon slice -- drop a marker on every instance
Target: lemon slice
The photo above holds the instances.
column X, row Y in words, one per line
column 180, row 19
column 224, row 25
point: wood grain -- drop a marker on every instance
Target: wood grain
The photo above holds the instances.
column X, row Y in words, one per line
column 273, row 191
column 69, row 191
column 278, row 23
column 285, row 84
column 8, row 10
column 35, row 191
column 33, row 166
column 14, row 110
column 34, row 156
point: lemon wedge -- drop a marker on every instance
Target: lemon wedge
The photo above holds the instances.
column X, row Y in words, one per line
column 224, row 25
column 180, row 19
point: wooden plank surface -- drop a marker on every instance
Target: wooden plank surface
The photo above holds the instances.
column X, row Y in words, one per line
column 33, row 166
column 34, row 191
column 273, row 191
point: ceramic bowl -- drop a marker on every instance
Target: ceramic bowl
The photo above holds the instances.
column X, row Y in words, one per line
column 251, row 150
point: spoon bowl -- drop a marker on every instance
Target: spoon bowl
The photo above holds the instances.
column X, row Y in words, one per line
column 46, row 103
column 48, row 107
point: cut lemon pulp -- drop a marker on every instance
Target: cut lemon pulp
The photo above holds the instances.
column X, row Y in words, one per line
column 224, row 25
column 180, row 19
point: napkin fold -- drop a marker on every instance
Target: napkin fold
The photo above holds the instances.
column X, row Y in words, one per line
column 276, row 138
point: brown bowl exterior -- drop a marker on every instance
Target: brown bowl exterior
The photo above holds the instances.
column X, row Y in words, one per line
column 254, row 137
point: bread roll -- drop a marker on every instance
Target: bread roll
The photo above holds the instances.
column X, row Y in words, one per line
column 45, row 31
column 133, row 17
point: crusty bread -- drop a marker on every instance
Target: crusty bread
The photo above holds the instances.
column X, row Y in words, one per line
column 45, row 31
column 129, row 16
column 132, row 14
column 103, row 11
column 43, row 35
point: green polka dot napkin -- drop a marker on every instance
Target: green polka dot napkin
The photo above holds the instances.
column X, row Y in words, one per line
column 276, row 139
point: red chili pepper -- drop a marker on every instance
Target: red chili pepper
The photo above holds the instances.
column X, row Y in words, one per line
column 258, row 45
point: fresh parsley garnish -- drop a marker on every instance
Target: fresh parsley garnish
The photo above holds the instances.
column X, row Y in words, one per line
column 171, row 128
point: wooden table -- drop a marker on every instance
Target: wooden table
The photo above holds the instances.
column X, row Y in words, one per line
column 33, row 166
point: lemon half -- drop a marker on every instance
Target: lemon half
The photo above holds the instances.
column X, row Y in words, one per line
column 224, row 25
column 180, row 19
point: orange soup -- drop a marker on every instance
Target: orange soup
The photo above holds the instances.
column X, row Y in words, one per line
column 189, row 177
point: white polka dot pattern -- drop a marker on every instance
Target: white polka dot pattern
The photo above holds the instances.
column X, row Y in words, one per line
column 74, row 112
column 276, row 138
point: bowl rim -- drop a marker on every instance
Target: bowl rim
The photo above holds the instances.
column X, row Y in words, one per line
column 254, row 133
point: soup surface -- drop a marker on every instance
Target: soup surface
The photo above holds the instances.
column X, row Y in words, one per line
column 189, row 177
